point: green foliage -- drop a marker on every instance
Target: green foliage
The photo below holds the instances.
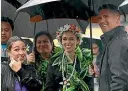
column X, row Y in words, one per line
column 58, row 49
column 76, row 81
column 42, row 70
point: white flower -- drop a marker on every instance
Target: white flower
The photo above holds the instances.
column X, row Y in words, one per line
column 66, row 27
column 61, row 29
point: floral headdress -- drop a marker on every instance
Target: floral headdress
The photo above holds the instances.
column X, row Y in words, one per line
column 69, row 27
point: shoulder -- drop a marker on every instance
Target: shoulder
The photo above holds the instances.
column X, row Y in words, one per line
column 121, row 40
column 55, row 57
column 123, row 35
column 4, row 59
column 4, row 64
column 119, row 46
column 28, row 66
column 5, row 67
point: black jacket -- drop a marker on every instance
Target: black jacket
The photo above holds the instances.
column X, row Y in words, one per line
column 54, row 77
column 26, row 76
column 114, row 62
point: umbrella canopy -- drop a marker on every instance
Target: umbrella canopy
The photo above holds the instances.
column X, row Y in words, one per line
column 22, row 23
column 7, row 9
column 25, row 28
column 97, row 3
column 77, row 3
column 47, row 9
column 50, row 9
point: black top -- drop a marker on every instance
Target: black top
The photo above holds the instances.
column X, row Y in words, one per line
column 54, row 77
column 27, row 76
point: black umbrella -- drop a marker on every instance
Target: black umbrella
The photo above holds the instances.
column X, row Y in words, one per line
column 80, row 9
column 25, row 28
column 49, row 9
column 52, row 9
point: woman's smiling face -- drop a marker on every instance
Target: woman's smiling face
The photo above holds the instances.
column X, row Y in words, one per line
column 43, row 44
column 18, row 51
column 69, row 41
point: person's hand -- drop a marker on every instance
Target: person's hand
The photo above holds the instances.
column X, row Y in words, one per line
column 96, row 70
column 31, row 58
column 91, row 70
column 15, row 65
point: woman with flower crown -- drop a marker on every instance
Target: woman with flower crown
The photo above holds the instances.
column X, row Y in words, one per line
column 68, row 69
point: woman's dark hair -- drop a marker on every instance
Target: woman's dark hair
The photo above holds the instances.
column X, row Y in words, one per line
column 40, row 34
column 98, row 43
column 6, row 19
column 11, row 40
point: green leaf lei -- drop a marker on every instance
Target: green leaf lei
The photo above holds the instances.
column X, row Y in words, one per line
column 42, row 70
column 42, row 66
column 76, row 81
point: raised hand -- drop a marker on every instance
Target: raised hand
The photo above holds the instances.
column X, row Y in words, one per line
column 15, row 65
column 31, row 58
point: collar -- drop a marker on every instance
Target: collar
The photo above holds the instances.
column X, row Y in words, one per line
column 106, row 37
column 3, row 46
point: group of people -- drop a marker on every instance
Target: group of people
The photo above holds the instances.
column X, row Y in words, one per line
column 68, row 69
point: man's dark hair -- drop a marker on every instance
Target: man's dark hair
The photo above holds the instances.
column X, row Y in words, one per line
column 111, row 7
column 6, row 19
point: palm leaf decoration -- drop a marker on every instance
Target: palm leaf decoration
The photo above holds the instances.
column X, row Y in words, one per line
column 76, row 81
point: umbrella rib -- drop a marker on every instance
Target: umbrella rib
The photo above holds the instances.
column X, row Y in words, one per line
column 15, row 17
column 47, row 25
column 14, row 3
column 89, row 4
column 34, row 28
column 91, row 38
column 93, row 5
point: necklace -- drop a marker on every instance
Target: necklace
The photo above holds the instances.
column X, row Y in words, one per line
column 64, row 65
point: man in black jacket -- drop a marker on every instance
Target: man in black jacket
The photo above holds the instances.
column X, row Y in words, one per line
column 114, row 62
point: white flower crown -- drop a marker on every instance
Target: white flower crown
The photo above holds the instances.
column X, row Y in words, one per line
column 69, row 27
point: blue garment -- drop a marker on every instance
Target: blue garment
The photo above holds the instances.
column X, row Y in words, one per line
column 4, row 50
column 19, row 87
column 4, row 46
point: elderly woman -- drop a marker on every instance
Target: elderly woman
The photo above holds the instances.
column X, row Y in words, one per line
column 68, row 69
column 15, row 75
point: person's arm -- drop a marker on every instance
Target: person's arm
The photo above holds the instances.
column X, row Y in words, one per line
column 4, row 73
column 29, row 77
column 50, row 82
column 118, row 62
